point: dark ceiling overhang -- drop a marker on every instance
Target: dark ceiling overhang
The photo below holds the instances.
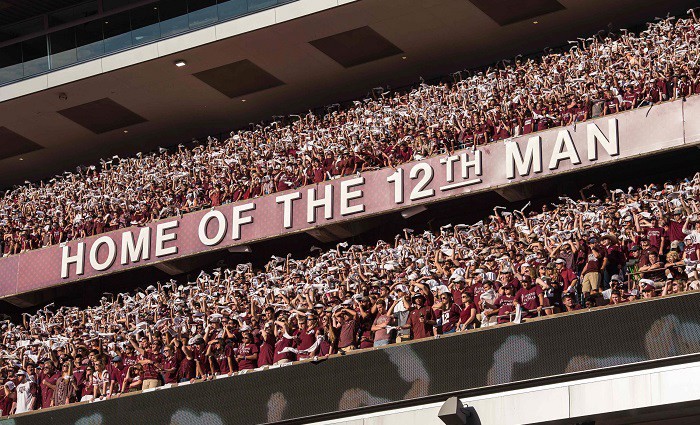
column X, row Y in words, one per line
column 436, row 37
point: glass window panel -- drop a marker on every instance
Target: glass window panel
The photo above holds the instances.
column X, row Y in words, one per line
column 173, row 17
column 201, row 12
column 254, row 5
column 232, row 8
column 88, row 39
column 35, row 56
column 11, row 67
column 63, row 50
column 144, row 24
column 117, row 32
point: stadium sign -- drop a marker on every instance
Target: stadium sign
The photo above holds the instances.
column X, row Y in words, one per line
column 417, row 181
column 534, row 156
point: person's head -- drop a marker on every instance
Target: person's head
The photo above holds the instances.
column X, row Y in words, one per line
column 48, row 366
column 567, row 300
column 419, row 299
column 591, row 302
column 8, row 387
column 155, row 345
column 381, row 306
column 446, row 298
column 653, row 257
column 560, row 264
column 673, row 256
column 648, row 291
column 634, row 251
column 247, row 338
column 466, row 298
column 615, row 297
column 508, row 289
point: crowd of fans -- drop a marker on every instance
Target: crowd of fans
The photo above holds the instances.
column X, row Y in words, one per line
column 512, row 266
column 604, row 74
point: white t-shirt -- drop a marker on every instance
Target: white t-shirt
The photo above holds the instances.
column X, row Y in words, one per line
column 25, row 398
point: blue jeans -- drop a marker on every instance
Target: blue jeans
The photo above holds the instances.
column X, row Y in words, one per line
column 381, row 343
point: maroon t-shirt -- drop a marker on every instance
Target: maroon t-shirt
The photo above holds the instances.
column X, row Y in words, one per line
column 529, row 299
column 247, row 350
column 505, row 306
column 691, row 252
column 5, row 404
column 347, row 334
column 129, row 360
column 466, row 312
column 418, row 329
column 450, row 318
column 305, row 338
column 566, row 276
column 281, row 343
column 222, row 359
column 675, row 231
column 46, row 392
column 655, row 234
column 267, row 350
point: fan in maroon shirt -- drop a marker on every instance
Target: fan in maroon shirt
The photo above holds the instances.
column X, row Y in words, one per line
column 247, row 356
column 530, row 297
column 421, row 319
column 47, row 382
column 504, row 303
column 267, row 346
column 305, row 336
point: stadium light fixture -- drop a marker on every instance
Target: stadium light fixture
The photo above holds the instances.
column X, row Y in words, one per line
column 453, row 412
column 180, row 63
column 535, row 22
column 21, row 159
column 240, row 249
column 410, row 212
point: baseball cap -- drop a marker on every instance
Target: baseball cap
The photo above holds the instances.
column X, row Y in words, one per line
column 10, row 385
column 116, row 359
column 648, row 288
column 616, row 278
column 559, row 261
